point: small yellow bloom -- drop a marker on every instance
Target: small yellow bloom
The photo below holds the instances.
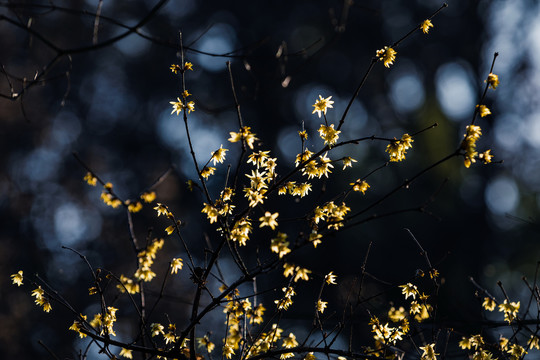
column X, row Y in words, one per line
column 321, row 305
column 429, row 352
column 301, row 274
column 486, row 156
column 228, row 351
column 387, row 55
column 330, row 278
column 218, row 156
column 175, row 68
column 426, row 25
column 176, row 264
column 190, row 106
column 134, row 207
column 244, row 134
column 310, row 356
column 177, row 106
column 162, row 210
column 269, row 219
column 483, row 110
column 185, row 93
column 493, row 80
column 170, row 229
column 205, row 342
column 510, row 310
column 90, row 179
column 128, row 354
column 148, row 196
column 321, row 105
column 303, row 135
column 207, row 171
column 156, row 329
column 329, row 134
column 409, row 290
column 188, row 66
column 360, row 186
column 347, row 162
column 17, row 278
column 489, row 304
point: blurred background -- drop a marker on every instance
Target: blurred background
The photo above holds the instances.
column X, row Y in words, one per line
column 105, row 95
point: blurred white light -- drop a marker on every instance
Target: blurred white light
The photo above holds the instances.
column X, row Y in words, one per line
column 219, row 40
column 455, row 91
column 407, row 93
column 502, row 195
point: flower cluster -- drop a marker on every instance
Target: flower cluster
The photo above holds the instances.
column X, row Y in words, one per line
column 398, row 148
column 331, row 213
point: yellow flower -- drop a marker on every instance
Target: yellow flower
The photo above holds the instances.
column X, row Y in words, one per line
column 301, row 274
column 244, row 134
column 347, row 162
column 290, row 341
column 396, row 315
column 17, row 278
column 156, row 329
column 177, row 106
column 188, row 66
column 46, row 306
column 329, row 134
column 170, row 229
column 398, row 148
column 486, row 156
column 303, row 135
column 489, row 304
column 127, row 284
column 510, row 310
column 493, row 80
column 228, row 351
column 207, row 171
column 176, row 264
column 134, row 207
column 321, row 105
column 269, row 219
column 426, row 25
column 310, row 356
column 148, row 196
column 387, row 55
column 483, row 110
column 516, row 351
column 128, row 354
column 218, row 156
column 90, row 179
column 162, row 210
column 533, row 342
column 190, row 106
column 185, row 93
column 409, row 290
column 280, row 245
column 360, row 186
column 321, row 305
column 330, row 278
column 289, row 269
column 175, row 68
column 429, row 352
column 205, row 342
column 465, row 343
column 211, row 212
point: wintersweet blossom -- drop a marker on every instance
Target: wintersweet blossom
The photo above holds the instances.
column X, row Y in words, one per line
column 321, row 105
column 426, row 24
column 387, row 55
